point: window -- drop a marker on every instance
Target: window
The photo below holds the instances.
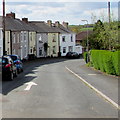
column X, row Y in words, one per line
column 71, row 38
column 13, row 51
column 25, row 37
column 63, row 38
column 40, row 51
column 18, row 37
column 70, row 48
column 25, row 50
column 21, row 36
column 0, row 51
column 64, row 49
column 40, row 39
column 54, row 38
column 30, row 36
column 14, row 38
column 54, row 50
column 31, row 50
column 0, row 34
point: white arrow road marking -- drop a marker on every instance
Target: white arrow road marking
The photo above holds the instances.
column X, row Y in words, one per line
column 96, row 90
column 29, row 85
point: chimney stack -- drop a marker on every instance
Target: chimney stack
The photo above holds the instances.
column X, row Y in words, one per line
column 49, row 22
column 12, row 15
column 65, row 24
column 25, row 20
column 57, row 23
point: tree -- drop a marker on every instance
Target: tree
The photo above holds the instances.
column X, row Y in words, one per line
column 105, row 36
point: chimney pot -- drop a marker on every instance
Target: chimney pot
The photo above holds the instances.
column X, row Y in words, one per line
column 49, row 22
column 25, row 20
column 57, row 23
column 65, row 24
column 12, row 15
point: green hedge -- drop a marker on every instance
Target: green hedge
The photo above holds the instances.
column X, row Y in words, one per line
column 85, row 56
column 106, row 61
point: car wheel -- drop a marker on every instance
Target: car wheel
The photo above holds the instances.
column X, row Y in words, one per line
column 15, row 75
column 11, row 76
column 21, row 70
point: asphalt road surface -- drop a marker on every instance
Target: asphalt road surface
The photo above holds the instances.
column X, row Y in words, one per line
column 47, row 89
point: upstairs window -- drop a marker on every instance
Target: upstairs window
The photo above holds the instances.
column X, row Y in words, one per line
column 14, row 38
column 25, row 37
column 54, row 38
column 63, row 38
column 71, row 38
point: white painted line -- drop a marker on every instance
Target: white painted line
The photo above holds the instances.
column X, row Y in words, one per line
column 91, row 74
column 96, row 90
column 29, row 85
column 33, row 74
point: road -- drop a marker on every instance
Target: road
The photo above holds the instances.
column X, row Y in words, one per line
column 47, row 89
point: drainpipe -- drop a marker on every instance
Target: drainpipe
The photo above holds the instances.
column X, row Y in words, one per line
column 10, row 42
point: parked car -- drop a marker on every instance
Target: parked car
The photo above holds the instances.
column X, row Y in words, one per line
column 9, row 69
column 17, row 61
column 72, row 55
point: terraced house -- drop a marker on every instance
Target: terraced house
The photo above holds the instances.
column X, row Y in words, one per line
column 38, row 38
column 17, row 35
column 1, row 38
column 41, row 38
column 66, row 38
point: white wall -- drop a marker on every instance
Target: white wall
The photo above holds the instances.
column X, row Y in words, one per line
column 24, row 45
column 1, row 42
column 41, row 39
column 68, row 43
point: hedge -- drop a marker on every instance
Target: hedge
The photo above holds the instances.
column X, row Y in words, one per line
column 85, row 56
column 106, row 61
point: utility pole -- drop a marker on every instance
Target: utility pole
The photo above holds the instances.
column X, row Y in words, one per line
column 87, row 41
column 109, row 11
column 109, row 22
column 4, row 27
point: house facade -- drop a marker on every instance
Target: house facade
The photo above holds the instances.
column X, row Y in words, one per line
column 41, row 38
column 37, row 38
column 8, row 46
column 31, row 32
column 67, row 43
column 1, row 42
column 53, row 44
column 66, row 38
column 20, row 37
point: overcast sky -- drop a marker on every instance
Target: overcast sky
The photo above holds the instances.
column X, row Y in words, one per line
column 62, row 10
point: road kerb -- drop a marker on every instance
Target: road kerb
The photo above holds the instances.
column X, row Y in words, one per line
column 96, row 90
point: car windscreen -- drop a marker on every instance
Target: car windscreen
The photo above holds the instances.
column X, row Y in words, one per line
column 4, row 61
column 14, row 58
column 0, row 60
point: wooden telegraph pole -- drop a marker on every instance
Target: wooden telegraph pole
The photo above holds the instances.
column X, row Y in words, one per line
column 4, row 27
column 109, row 23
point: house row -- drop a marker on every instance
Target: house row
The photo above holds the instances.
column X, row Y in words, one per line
column 1, row 38
column 39, row 38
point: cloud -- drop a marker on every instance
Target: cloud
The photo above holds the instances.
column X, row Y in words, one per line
column 62, row 0
column 73, row 12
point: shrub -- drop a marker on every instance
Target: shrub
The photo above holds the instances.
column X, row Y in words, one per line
column 85, row 56
column 106, row 61
column 116, row 59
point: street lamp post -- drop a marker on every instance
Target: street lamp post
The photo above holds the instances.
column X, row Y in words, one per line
column 87, row 40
